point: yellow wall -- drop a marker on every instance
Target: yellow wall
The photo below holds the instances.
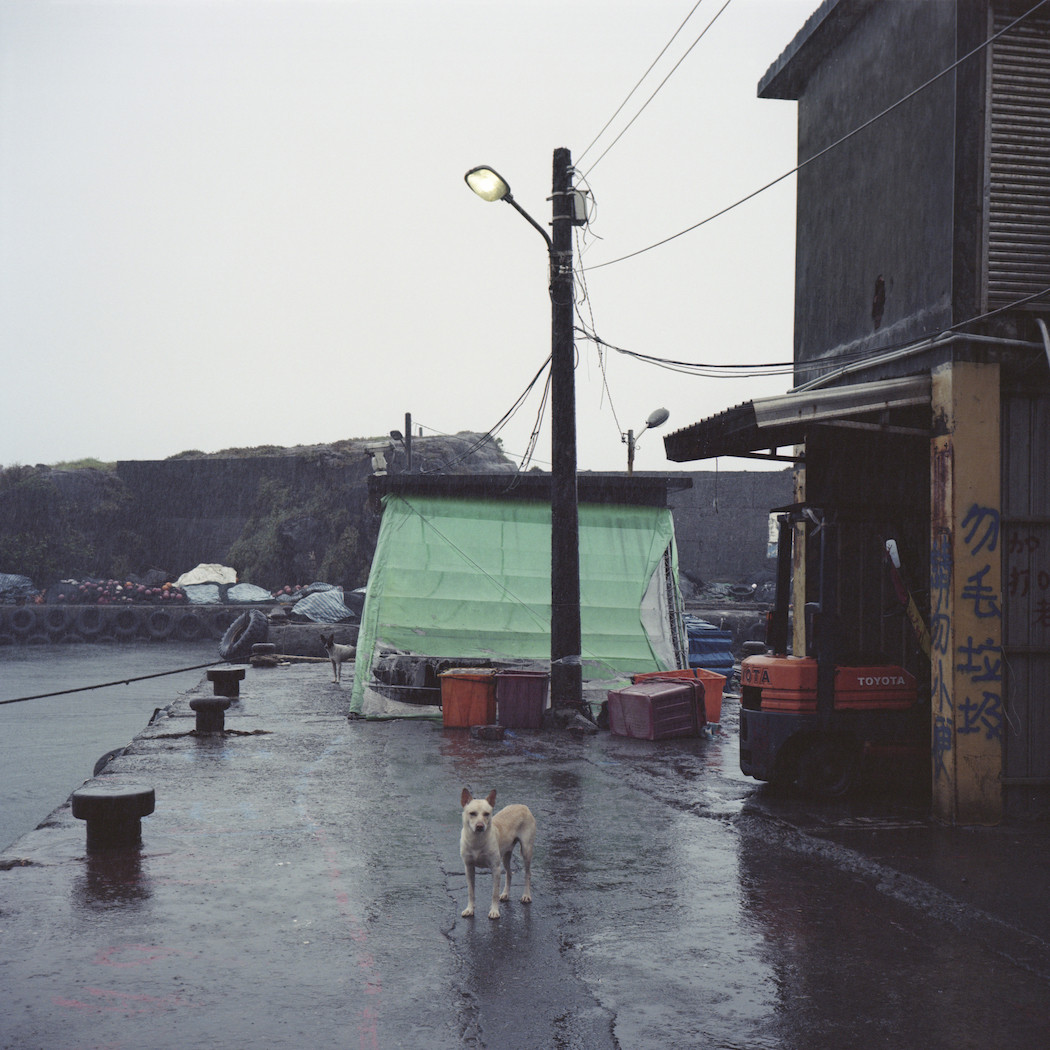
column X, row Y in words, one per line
column 966, row 595
column 798, row 572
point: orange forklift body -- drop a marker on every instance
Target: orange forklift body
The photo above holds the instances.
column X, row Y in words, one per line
column 789, row 683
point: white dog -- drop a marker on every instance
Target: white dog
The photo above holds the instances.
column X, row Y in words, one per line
column 337, row 654
column 487, row 840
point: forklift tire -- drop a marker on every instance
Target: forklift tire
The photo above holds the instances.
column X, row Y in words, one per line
column 827, row 768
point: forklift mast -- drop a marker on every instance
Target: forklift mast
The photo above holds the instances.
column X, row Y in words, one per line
column 804, row 720
column 820, row 627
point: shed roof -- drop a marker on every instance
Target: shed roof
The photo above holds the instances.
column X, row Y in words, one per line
column 637, row 490
column 770, row 423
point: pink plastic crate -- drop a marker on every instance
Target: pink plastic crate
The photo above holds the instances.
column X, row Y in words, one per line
column 657, row 710
column 714, row 686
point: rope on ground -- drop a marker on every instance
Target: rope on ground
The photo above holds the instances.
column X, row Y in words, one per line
column 119, row 681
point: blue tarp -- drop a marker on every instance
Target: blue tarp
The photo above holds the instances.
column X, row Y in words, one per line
column 324, row 607
column 13, row 587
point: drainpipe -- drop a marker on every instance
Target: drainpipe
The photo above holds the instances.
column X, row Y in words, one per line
column 1046, row 337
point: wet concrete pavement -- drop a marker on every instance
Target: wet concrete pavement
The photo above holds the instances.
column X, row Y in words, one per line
column 299, row 885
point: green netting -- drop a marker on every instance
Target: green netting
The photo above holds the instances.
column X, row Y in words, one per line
column 459, row 578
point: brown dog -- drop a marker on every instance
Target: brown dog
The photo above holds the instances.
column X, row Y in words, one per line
column 487, row 840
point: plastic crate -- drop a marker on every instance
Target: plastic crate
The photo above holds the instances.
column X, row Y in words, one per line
column 657, row 710
column 521, row 698
column 468, row 698
column 713, row 683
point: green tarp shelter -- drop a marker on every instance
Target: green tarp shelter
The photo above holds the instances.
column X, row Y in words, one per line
column 468, row 579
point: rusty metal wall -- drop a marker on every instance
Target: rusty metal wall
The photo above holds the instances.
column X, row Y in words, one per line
column 1025, row 531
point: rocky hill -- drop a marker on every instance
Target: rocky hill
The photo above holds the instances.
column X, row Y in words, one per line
column 280, row 516
column 287, row 516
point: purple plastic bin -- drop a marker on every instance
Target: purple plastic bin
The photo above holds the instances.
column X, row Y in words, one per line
column 521, row 698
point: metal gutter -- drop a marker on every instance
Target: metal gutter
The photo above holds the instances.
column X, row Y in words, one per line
column 936, row 342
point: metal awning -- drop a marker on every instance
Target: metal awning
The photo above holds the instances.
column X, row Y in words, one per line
column 756, row 429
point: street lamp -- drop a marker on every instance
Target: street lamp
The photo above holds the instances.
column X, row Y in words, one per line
column 656, row 418
column 566, row 636
column 406, row 441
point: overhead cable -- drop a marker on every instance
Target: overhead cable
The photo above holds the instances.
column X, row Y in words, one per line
column 602, row 357
column 674, row 68
column 827, row 149
column 526, row 458
column 497, row 427
column 630, row 94
column 711, row 371
column 754, row 370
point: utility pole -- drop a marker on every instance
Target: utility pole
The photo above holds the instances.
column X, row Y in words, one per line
column 566, row 636
column 566, row 643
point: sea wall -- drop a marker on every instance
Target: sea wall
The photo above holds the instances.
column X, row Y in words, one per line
column 721, row 525
column 57, row 624
column 295, row 516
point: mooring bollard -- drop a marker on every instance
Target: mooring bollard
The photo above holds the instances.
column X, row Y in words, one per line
column 113, row 811
column 211, row 713
column 225, row 681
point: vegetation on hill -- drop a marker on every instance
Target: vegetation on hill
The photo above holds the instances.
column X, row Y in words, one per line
column 278, row 516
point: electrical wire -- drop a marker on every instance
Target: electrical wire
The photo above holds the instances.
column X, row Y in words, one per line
column 443, row 433
column 490, row 434
column 526, row 459
column 755, row 370
column 674, row 69
column 827, row 149
column 641, row 80
column 707, row 369
column 585, row 299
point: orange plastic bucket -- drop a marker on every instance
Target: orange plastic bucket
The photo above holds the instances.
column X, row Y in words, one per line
column 468, row 698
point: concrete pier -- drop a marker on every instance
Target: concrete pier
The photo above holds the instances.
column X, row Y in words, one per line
column 299, row 885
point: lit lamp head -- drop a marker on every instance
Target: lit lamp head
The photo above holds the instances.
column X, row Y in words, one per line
column 489, row 185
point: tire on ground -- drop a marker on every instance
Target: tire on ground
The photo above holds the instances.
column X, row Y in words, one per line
column 247, row 630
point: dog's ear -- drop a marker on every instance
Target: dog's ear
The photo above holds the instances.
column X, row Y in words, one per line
column 465, row 797
column 491, row 798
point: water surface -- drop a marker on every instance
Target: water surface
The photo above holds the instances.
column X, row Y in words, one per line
column 49, row 747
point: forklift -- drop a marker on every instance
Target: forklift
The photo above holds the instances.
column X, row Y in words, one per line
column 814, row 723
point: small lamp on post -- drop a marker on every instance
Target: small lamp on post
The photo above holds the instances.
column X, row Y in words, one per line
column 406, row 440
column 566, row 634
column 656, row 418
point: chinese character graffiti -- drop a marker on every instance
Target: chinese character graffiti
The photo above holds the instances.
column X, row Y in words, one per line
column 966, row 677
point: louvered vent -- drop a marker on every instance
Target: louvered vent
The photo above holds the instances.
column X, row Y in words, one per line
column 1019, row 165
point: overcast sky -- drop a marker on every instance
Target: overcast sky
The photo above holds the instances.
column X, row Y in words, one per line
column 229, row 223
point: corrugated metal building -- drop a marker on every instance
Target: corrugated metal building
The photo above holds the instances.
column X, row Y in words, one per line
column 921, row 405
